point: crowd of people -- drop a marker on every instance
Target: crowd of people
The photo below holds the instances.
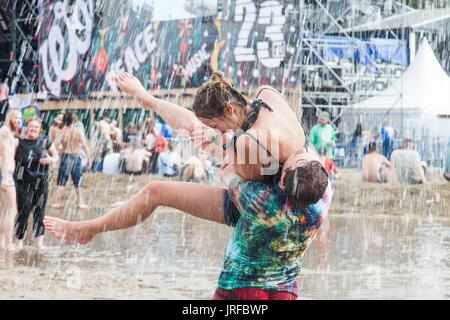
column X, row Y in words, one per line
column 28, row 156
column 402, row 165
column 288, row 205
column 149, row 148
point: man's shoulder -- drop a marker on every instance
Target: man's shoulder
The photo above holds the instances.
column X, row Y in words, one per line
column 404, row 154
column 268, row 90
column 5, row 133
column 379, row 156
column 4, row 129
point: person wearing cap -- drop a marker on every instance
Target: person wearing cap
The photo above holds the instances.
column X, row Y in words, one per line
column 323, row 135
column 56, row 127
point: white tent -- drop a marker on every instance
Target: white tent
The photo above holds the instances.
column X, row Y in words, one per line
column 424, row 87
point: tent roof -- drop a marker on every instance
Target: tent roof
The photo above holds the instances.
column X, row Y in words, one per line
column 424, row 85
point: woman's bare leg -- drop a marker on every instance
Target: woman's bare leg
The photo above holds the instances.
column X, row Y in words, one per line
column 201, row 201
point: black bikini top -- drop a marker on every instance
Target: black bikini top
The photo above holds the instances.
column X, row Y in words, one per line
column 248, row 123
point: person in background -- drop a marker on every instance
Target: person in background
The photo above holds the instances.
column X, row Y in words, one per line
column 103, row 143
column 4, row 105
column 56, row 127
column 149, row 139
column 134, row 158
column 78, row 124
column 356, row 148
column 328, row 163
column 8, row 205
column 159, row 146
column 323, row 135
column 407, row 164
column 34, row 155
column 388, row 133
column 116, row 136
column 130, row 132
column 163, row 129
column 375, row 167
column 72, row 143
column 194, row 170
column 447, row 164
column 169, row 162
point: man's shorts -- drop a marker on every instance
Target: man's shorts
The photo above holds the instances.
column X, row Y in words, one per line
column 231, row 212
column 252, row 294
column 71, row 165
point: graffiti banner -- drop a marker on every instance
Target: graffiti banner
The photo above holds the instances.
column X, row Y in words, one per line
column 255, row 42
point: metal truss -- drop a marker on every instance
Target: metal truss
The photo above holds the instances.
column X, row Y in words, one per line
column 343, row 83
column 336, row 91
column 23, row 16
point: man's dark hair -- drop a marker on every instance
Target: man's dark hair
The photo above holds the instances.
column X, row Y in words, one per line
column 372, row 146
column 106, row 117
column 68, row 118
column 306, row 185
column 406, row 143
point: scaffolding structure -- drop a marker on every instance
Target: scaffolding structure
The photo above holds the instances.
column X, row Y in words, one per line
column 18, row 36
column 334, row 85
column 330, row 85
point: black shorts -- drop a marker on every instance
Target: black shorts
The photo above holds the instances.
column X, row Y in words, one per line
column 231, row 212
column 70, row 166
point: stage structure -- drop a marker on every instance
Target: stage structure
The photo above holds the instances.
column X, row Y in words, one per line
column 19, row 22
column 328, row 54
column 353, row 50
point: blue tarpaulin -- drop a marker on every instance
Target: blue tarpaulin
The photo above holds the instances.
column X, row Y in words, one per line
column 368, row 52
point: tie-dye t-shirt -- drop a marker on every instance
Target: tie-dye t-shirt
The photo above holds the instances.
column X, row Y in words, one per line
column 268, row 243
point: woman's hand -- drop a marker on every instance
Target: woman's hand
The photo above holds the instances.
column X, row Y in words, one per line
column 4, row 187
column 131, row 86
column 202, row 136
column 46, row 160
column 227, row 172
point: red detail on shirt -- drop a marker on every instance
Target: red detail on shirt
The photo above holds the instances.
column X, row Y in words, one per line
column 330, row 166
column 252, row 294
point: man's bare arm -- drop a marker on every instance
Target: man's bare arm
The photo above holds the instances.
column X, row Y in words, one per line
column 421, row 172
column 84, row 145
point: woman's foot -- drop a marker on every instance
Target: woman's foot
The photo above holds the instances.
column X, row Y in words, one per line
column 9, row 247
column 20, row 244
column 83, row 206
column 39, row 241
column 72, row 231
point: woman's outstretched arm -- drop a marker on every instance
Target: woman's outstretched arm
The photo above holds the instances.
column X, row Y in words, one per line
column 177, row 117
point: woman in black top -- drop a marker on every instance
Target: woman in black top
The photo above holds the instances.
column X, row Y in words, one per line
column 34, row 155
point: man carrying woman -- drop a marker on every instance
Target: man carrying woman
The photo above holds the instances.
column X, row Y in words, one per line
column 277, row 193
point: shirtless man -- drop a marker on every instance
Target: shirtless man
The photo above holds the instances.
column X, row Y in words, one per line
column 194, row 170
column 375, row 167
column 8, row 205
column 134, row 158
column 71, row 140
